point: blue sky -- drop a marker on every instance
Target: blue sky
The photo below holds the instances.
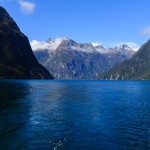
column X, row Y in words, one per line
column 109, row 22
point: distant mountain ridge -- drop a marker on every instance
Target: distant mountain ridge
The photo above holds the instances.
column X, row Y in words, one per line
column 17, row 60
column 85, row 47
column 137, row 68
column 68, row 59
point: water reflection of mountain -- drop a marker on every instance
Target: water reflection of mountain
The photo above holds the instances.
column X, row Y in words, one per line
column 12, row 90
column 14, row 113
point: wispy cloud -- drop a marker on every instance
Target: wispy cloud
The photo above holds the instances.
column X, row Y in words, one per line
column 27, row 7
column 146, row 31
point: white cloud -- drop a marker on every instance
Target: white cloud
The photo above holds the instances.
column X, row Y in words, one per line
column 27, row 7
column 146, row 31
column 50, row 45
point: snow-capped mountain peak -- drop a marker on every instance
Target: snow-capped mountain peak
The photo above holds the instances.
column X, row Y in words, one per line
column 69, row 44
column 123, row 47
column 125, row 50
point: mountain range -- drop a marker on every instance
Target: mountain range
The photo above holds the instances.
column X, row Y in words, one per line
column 67, row 59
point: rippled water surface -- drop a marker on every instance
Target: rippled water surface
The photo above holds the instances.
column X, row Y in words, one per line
column 74, row 115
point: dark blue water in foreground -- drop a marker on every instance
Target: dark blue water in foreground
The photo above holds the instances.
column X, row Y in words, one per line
column 74, row 115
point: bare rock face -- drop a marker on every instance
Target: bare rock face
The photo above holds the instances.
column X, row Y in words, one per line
column 68, row 59
column 17, row 60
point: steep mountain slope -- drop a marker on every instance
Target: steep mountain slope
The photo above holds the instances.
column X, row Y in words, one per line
column 16, row 57
column 68, row 59
column 138, row 67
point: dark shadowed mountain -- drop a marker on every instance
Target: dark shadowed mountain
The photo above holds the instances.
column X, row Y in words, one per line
column 67, row 59
column 17, row 60
column 138, row 67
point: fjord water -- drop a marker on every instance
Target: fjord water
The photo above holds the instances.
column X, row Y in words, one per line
column 71, row 115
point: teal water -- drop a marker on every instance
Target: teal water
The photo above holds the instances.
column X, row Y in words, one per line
column 74, row 115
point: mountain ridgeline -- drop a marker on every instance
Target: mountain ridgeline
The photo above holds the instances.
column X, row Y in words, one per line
column 17, row 60
column 137, row 68
column 67, row 59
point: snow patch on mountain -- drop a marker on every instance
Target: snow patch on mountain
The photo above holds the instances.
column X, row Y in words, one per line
column 134, row 46
column 96, row 44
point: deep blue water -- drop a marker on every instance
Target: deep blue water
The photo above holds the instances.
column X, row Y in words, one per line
column 74, row 115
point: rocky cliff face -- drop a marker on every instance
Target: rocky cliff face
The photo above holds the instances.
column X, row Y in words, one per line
column 68, row 59
column 17, row 60
column 138, row 67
